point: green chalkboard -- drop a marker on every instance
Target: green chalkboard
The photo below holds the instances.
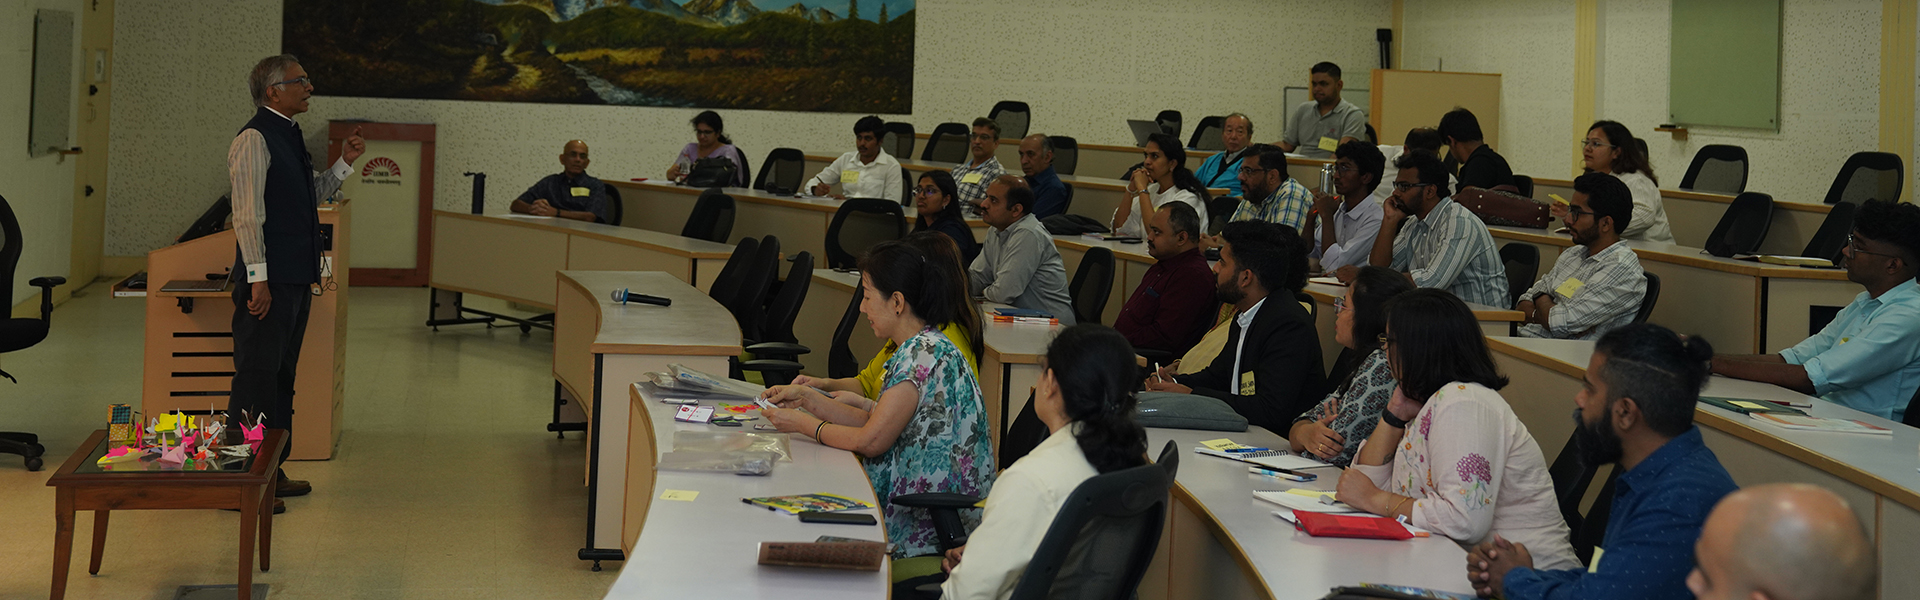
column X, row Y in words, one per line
column 1726, row 63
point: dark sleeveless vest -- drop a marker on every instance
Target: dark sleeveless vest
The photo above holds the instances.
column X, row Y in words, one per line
column 292, row 229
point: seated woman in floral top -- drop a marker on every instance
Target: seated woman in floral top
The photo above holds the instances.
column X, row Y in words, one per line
column 927, row 430
column 1448, row 453
column 1334, row 429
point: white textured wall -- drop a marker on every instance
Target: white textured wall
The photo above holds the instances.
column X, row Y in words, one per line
column 1084, row 65
column 1530, row 44
column 40, row 190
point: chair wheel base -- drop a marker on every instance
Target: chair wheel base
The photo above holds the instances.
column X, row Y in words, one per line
column 34, row 463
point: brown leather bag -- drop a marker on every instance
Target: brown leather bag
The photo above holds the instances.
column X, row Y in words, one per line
column 1498, row 207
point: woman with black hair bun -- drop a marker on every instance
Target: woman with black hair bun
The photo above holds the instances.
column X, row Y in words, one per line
column 1085, row 397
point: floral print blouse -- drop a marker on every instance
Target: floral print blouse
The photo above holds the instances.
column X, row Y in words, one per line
column 945, row 448
column 1473, row 470
column 1357, row 407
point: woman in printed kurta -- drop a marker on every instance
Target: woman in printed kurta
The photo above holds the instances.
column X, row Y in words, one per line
column 1456, row 461
column 1334, row 429
column 927, row 429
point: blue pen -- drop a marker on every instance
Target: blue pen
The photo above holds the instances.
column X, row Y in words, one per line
column 1237, row 450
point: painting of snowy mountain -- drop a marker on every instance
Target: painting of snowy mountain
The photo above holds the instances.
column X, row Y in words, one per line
column 850, row 56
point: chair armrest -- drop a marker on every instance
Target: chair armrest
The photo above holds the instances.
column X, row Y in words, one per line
column 937, row 500
column 778, row 348
column 769, row 364
column 46, row 294
column 47, row 282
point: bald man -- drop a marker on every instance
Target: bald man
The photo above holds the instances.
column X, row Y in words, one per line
column 1036, row 160
column 569, row 194
column 1783, row 542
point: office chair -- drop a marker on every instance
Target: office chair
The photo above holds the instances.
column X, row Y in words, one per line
column 1169, row 121
column 777, row 351
column 1648, row 301
column 1219, row 211
column 1912, row 417
column 1523, row 185
column 746, row 168
column 1571, row 478
column 1066, row 154
column 712, row 217
column 1068, row 207
column 1743, row 226
column 1207, row 135
column 1523, row 264
column 1092, row 283
column 1866, row 176
column 1832, row 234
column 1372, row 138
column 858, row 225
column 1592, row 532
column 1313, row 307
column 898, row 141
column 906, row 187
column 20, row 334
column 947, row 143
column 756, row 280
column 1012, row 117
column 727, row 285
column 1717, row 168
column 616, row 208
column 785, row 170
column 841, row 363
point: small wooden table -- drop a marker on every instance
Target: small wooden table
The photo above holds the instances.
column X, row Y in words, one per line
column 81, row 484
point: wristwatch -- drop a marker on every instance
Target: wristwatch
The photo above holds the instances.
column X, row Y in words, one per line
column 1392, row 421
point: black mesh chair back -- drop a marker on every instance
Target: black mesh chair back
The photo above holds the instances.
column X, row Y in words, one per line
column 858, row 225
column 1832, row 234
column 1092, row 283
column 727, row 284
column 1524, row 184
column 615, row 207
column 756, row 279
column 1523, row 263
column 1219, row 210
column 784, row 308
column 1912, row 418
column 712, row 217
column 898, row 140
column 1372, row 137
column 1013, row 118
column 16, row 334
column 1104, row 536
column 785, row 169
column 1208, row 134
column 1717, row 168
column 1592, row 531
column 1066, row 154
column 947, row 143
column 1868, row 176
column 1648, row 301
column 1571, row 478
column 1313, row 307
column 840, row 360
column 1068, row 207
column 1169, row 121
column 746, row 167
column 1743, row 226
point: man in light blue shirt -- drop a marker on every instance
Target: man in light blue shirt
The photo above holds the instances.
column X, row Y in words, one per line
column 1868, row 358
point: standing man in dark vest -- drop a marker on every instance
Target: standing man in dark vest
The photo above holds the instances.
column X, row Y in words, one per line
column 276, row 221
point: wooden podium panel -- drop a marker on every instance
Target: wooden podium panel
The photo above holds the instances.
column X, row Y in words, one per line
column 1403, row 100
column 394, row 187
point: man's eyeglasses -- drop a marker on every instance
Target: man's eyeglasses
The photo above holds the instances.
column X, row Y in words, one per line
column 1853, row 247
column 1401, row 186
column 1339, row 168
column 1339, row 304
column 1574, row 213
column 1594, row 144
column 1254, row 170
column 306, row 81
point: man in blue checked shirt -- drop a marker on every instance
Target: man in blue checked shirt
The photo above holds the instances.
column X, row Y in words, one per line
column 1635, row 411
column 1868, row 358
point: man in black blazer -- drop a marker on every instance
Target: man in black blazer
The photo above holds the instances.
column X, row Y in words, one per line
column 1270, row 370
column 276, row 222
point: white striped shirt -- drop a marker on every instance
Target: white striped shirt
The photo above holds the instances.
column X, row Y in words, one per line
column 247, row 161
column 1451, row 250
column 1606, row 296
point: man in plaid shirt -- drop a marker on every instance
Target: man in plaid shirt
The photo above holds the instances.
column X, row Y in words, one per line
column 1596, row 286
column 973, row 176
column 1270, row 195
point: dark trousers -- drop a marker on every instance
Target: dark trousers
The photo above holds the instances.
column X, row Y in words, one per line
column 266, row 352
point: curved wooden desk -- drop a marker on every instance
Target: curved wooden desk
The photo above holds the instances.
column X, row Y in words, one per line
column 1875, row 474
column 1692, row 216
column 1494, row 321
column 800, row 222
column 513, row 257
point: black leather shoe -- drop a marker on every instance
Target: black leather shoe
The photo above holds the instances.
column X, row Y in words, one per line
column 279, row 507
column 288, row 488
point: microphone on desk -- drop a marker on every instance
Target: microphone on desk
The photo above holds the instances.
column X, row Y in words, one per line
column 623, row 296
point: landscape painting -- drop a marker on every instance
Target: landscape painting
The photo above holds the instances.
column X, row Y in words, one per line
column 849, row 56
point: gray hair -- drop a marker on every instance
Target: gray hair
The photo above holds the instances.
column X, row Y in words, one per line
column 267, row 72
column 1046, row 143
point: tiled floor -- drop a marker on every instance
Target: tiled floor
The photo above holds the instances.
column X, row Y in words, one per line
column 445, row 483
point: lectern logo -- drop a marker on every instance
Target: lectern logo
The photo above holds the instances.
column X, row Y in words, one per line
column 380, row 171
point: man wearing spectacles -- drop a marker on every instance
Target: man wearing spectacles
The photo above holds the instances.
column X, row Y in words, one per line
column 276, row 223
column 1343, row 224
column 983, row 167
column 569, row 194
column 1868, row 357
column 1271, row 195
column 1222, row 169
column 1597, row 285
column 1444, row 246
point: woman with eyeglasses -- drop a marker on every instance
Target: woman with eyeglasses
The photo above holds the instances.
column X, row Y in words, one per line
column 1334, row 429
column 1448, row 454
column 937, row 198
column 1161, row 178
column 709, row 141
column 1610, row 148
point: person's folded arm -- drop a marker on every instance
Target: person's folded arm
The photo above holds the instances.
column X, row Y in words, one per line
column 1280, row 375
column 1017, row 265
column 827, row 176
column 1891, row 343
column 1780, row 373
column 326, row 182
column 1653, row 551
column 1351, row 251
column 1616, row 289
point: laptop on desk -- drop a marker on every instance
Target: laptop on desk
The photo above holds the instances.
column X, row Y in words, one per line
column 1142, row 129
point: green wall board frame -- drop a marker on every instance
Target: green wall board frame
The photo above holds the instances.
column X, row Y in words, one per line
column 1726, row 63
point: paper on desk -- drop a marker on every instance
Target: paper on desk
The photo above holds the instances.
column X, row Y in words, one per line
column 1325, row 280
column 681, row 495
column 1309, row 503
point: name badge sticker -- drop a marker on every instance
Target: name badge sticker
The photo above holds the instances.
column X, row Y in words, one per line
column 1329, row 144
column 1246, row 383
column 1568, row 287
column 849, row 177
column 582, row 192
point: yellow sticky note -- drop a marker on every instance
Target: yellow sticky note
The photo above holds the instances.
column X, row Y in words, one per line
column 681, row 495
column 1749, row 405
column 849, row 177
column 1329, row 144
column 1246, row 383
column 581, row 192
column 1568, row 287
column 1557, row 198
column 970, row 178
column 1222, row 444
column 1597, row 553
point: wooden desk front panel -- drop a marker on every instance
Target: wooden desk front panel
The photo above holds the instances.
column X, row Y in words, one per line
column 798, row 228
column 819, row 315
column 1543, row 400
column 1790, row 304
column 497, row 259
column 1200, row 564
column 576, row 322
column 1723, row 307
column 653, row 209
column 588, row 254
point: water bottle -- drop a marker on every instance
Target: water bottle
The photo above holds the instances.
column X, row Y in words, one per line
column 1326, row 179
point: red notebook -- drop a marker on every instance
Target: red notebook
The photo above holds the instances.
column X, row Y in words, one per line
column 1350, row 526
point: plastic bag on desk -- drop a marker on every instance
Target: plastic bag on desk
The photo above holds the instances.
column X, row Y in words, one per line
column 738, row 463
column 732, row 441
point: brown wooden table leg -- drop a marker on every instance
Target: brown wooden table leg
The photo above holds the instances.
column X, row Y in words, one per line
column 266, row 527
column 62, row 540
column 249, row 521
column 99, row 540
